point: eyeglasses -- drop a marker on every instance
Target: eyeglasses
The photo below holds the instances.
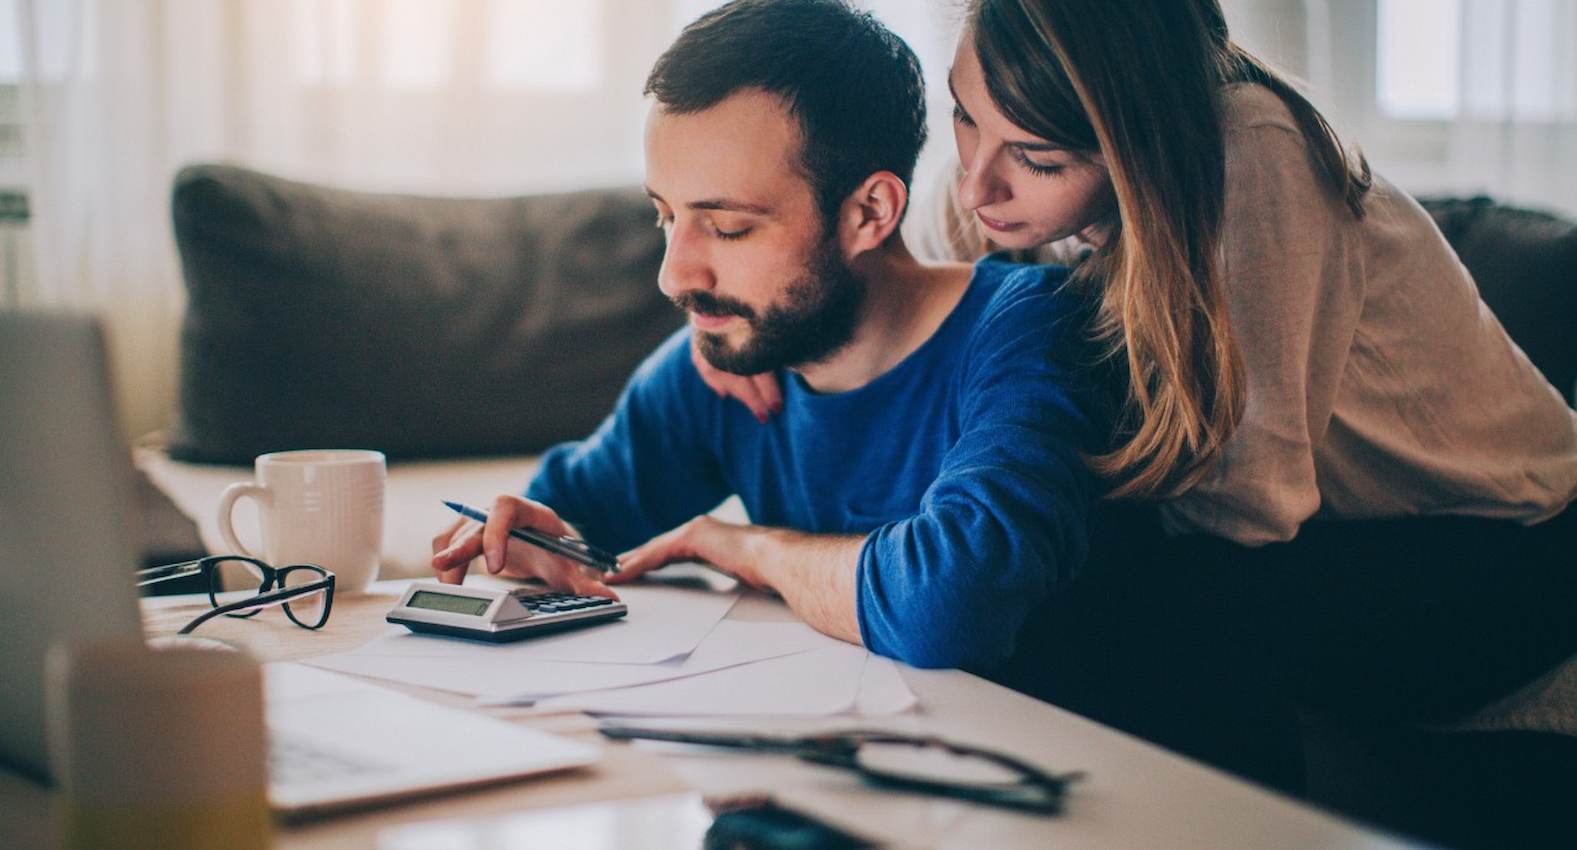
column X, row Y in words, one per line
column 915, row 763
column 305, row 591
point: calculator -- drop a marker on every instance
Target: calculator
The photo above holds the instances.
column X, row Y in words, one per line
column 498, row 615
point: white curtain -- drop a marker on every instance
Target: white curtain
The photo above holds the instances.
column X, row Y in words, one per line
column 480, row 97
column 99, row 165
column 1516, row 134
column 1443, row 96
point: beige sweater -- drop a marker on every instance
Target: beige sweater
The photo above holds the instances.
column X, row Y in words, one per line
column 1379, row 384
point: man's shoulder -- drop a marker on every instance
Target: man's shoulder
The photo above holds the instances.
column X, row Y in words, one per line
column 1010, row 279
column 1025, row 296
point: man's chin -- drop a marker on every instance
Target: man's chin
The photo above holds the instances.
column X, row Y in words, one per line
column 717, row 351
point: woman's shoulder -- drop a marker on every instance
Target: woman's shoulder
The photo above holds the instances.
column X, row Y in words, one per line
column 1261, row 137
column 1251, row 106
column 1272, row 169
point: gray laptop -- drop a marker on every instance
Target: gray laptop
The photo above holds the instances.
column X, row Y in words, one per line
column 66, row 550
column 66, row 562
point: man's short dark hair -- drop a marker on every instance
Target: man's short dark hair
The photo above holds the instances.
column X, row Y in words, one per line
column 855, row 87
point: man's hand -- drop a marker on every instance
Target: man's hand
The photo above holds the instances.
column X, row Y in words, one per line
column 711, row 541
column 759, row 392
column 458, row 545
column 814, row 573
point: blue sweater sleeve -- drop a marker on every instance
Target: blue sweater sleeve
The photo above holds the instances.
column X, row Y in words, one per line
column 1006, row 518
column 649, row 466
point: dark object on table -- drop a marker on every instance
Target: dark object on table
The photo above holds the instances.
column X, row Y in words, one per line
column 760, row 824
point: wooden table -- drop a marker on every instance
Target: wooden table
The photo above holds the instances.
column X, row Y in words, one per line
column 1136, row 795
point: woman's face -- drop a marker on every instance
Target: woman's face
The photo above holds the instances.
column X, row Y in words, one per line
column 1025, row 191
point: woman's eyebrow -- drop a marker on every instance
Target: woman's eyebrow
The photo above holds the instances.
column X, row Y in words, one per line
column 1036, row 147
column 951, row 90
column 1027, row 147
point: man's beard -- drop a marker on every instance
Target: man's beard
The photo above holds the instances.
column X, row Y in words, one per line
column 818, row 316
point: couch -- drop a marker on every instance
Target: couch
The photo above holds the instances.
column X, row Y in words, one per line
column 463, row 336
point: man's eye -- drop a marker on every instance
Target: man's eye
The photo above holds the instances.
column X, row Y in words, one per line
column 730, row 235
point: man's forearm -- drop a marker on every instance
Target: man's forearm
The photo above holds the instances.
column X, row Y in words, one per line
column 814, row 573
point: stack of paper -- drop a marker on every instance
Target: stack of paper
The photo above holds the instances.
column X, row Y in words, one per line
column 674, row 655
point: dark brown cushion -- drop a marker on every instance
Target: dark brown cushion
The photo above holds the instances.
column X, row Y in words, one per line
column 1525, row 264
column 423, row 327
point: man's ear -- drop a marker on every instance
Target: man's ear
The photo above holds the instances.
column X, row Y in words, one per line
column 871, row 213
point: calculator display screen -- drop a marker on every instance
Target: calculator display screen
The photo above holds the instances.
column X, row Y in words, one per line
column 469, row 605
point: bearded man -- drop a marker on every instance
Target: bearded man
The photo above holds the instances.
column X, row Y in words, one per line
column 923, row 489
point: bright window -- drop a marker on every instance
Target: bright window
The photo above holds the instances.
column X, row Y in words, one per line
column 325, row 42
column 10, row 42
column 545, row 44
column 1418, row 48
column 420, row 45
column 417, row 44
column 1478, row 60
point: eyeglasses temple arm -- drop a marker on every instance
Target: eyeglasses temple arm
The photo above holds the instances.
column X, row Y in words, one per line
column 708, row 739
column 263, row 600
column 154, row 575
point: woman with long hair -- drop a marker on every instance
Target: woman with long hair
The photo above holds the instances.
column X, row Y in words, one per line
column 1338, row 483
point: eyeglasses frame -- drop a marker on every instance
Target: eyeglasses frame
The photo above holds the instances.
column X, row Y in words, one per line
column 266, row 596
column 1036, row 791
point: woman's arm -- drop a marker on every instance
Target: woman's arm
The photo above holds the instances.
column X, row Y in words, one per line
column 1294, row 277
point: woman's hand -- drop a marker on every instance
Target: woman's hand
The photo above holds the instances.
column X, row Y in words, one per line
column 458, row 545
column 760, row 392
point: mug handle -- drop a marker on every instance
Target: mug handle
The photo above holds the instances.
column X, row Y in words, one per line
column 238, row 490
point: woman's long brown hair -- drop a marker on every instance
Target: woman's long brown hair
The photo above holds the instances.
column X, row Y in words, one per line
column 1140, row 82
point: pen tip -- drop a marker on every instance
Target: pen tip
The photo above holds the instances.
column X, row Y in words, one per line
column 452, row 505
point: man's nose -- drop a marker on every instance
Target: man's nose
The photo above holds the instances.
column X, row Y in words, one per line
column 685, row 267
column 981, row 185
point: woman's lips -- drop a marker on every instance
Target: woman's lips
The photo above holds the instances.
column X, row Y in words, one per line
column 707, row 322
column 999, row 226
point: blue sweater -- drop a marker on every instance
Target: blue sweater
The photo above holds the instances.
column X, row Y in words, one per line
column 961, row 466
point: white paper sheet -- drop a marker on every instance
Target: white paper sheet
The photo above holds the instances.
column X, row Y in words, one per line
column 664, row 623
column 883, row 690
column 499, row 677
column 731, row 644
column 820, row 682
column 880, row 692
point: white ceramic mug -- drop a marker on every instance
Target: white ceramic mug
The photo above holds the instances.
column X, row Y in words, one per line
column 319, row 506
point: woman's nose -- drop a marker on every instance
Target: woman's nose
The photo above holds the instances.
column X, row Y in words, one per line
column 981, row 184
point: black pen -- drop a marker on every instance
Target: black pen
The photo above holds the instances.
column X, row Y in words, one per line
column 573, row 548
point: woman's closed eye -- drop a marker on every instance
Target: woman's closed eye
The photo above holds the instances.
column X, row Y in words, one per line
column 1039, row 169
